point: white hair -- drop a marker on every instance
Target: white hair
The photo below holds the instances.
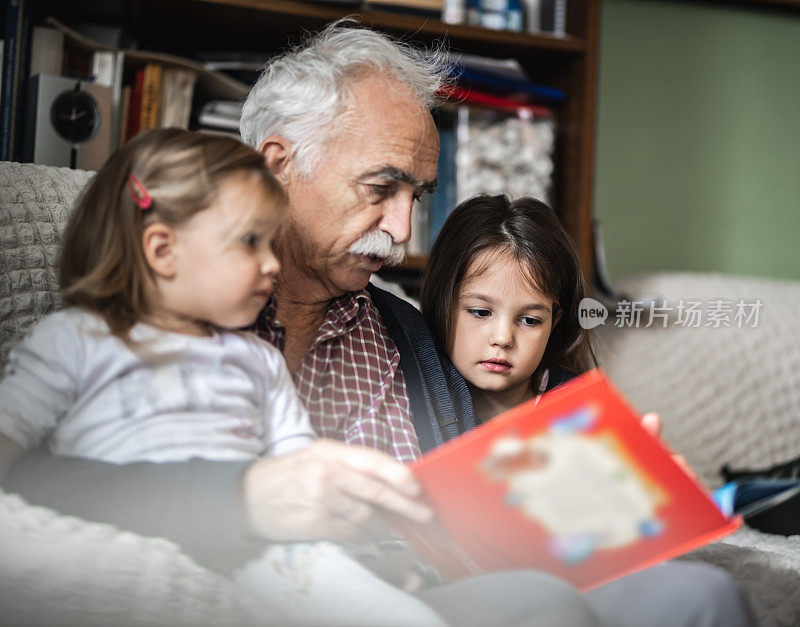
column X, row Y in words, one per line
column 300, row 93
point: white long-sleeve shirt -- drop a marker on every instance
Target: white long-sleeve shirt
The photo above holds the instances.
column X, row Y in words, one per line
column 170, row 398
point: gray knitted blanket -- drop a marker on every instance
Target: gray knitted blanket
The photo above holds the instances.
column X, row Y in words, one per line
column 725, row 395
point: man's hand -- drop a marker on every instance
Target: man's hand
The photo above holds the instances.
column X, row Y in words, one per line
column 329, row 490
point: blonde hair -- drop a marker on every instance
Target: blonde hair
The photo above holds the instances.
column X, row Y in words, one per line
column 103, row 267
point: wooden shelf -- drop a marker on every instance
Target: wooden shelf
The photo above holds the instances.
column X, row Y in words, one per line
column 184, row 27
column 415, row 263
column 400, row 22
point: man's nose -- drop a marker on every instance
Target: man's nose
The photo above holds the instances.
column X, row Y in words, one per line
column 397, row 218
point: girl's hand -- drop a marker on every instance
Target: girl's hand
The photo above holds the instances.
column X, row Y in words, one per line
column 652, row 423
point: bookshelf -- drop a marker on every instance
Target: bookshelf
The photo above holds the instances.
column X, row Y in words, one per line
column 184, row 27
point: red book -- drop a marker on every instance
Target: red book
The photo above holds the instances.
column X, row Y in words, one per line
column 459, row 95
column 135, row 106
column 571, row 485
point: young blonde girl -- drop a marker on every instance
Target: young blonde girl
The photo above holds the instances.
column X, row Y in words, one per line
column 167, row 254
column 500, row 294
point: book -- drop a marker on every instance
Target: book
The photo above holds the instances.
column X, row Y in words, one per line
column 123, row 115
column 504, row 85
column 570, row 484
column 553, row 17
column 453, row 11
column 482, row 99
column 506, row 67
column 108, row 68
column 445, row 198
column 221, row 114
column 16, row 64
column 495, row 14
column 132, row 124
column 767, row 504
column 533, row 16
column 151, row 96
column 103, row 67
column 177, row 88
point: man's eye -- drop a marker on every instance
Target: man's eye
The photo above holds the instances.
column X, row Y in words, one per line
column 530, row 321
column 478, row 312
column 379, row 191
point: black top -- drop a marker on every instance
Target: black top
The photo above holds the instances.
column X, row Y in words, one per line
column 438, row 395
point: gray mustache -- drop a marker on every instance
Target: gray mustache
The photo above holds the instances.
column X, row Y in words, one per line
column 379, row 244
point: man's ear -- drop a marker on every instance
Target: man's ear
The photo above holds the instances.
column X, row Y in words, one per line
column 277, row 153
column 158, row 243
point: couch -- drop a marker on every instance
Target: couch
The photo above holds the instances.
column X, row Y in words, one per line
column 725, row 395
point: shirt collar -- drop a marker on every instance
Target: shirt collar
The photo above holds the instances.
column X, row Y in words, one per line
column 341, row 314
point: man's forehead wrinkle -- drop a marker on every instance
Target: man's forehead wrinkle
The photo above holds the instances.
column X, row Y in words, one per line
column 346, row 120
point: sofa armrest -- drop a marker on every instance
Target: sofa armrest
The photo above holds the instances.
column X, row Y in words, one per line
column 725, row 394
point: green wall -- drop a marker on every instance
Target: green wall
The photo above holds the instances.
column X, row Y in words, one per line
column 698, row 144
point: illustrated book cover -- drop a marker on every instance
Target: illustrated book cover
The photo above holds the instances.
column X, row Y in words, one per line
column 570, row 484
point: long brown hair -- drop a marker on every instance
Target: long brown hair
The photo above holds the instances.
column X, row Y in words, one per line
column 102, row 266
column 530, row 232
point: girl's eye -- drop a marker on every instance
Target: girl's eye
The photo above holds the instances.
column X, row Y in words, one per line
column 530, row 321
column 251, row 239
column 478, row 312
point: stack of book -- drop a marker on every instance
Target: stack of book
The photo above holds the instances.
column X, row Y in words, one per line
column 160, row 96
column 221, row 115
column 534, row 16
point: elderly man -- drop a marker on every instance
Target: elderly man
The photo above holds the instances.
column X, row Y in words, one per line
column 344, row 124
column 355, row 146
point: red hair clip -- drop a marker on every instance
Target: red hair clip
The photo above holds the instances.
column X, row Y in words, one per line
column 139, row 193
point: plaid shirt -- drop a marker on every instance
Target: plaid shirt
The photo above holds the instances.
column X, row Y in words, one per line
column 350, row 380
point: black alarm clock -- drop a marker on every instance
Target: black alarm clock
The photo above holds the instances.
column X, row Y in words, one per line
column 75, row 115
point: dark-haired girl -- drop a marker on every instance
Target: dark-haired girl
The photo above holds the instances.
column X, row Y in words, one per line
column 501, row 294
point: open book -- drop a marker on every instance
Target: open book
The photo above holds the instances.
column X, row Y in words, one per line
column 571, row 485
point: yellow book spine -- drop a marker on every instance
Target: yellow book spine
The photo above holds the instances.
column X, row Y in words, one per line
column 151, row 95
